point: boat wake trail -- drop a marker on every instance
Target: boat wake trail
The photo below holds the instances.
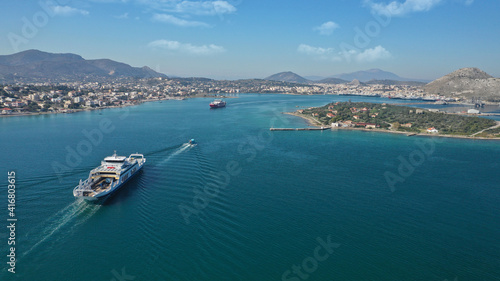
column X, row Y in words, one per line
column 62, row 223
column 182, row 148
column 161, row 150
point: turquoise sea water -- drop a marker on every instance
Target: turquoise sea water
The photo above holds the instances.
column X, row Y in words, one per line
column 247, row 203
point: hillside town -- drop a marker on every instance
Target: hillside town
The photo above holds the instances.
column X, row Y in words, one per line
column 67, row 97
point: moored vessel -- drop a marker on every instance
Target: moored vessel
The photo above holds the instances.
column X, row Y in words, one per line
column 112, row 174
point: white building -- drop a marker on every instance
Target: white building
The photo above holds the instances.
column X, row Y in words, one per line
column 432, row 130
column 6, row 110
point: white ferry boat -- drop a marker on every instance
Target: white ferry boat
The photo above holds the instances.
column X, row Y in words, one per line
column 113, row 173
column 217, row 104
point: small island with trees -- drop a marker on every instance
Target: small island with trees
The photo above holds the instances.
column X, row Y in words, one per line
column 399, row 119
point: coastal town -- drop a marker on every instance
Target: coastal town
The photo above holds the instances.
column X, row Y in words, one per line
column 66, row 97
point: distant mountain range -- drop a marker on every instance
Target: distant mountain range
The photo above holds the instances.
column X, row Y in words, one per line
column 371, row 76
column 333, row 80
column 468, row 83
column 38, row 66
column 314, row 78
column 35, row 65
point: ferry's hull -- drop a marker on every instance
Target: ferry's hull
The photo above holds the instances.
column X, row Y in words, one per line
column 100, row 197
column 217, row 105
column 106, row 194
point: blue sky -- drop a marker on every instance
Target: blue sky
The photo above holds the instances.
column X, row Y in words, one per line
column 231, row 39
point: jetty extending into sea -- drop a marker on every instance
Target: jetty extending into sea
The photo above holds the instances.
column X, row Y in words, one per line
column 300, row 129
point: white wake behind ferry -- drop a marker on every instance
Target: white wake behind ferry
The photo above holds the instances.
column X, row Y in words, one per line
column 113, row 173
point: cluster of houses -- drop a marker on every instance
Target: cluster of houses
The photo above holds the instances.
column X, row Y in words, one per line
column 386, row 91
column 349, row 123
column 60, row 102
column 9, row 103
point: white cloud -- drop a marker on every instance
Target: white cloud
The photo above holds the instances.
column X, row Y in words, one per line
column 178, row 12
column 469, row 2
column 397, row 8
column 315, row 51
column 67, row 11
column 177, row 21
column 327, row 28
column 367, row 55
column 110, row 1
column 319, row 52
column 212, row 8
column 122, row 16
column 205, row 7
column 176, row 46
column 374, row 54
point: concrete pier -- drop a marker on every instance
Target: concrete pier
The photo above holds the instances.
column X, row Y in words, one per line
column 300, row 129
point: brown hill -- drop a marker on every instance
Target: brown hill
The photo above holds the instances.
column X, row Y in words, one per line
column 466, row 83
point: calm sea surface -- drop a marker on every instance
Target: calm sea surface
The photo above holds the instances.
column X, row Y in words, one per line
column 247, row 203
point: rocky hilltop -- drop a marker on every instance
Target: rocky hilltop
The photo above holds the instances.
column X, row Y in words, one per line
column 287, row 76
column 467, row 83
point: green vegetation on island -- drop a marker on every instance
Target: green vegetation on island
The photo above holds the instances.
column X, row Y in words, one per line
column 399, row 118
column 493, row 132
